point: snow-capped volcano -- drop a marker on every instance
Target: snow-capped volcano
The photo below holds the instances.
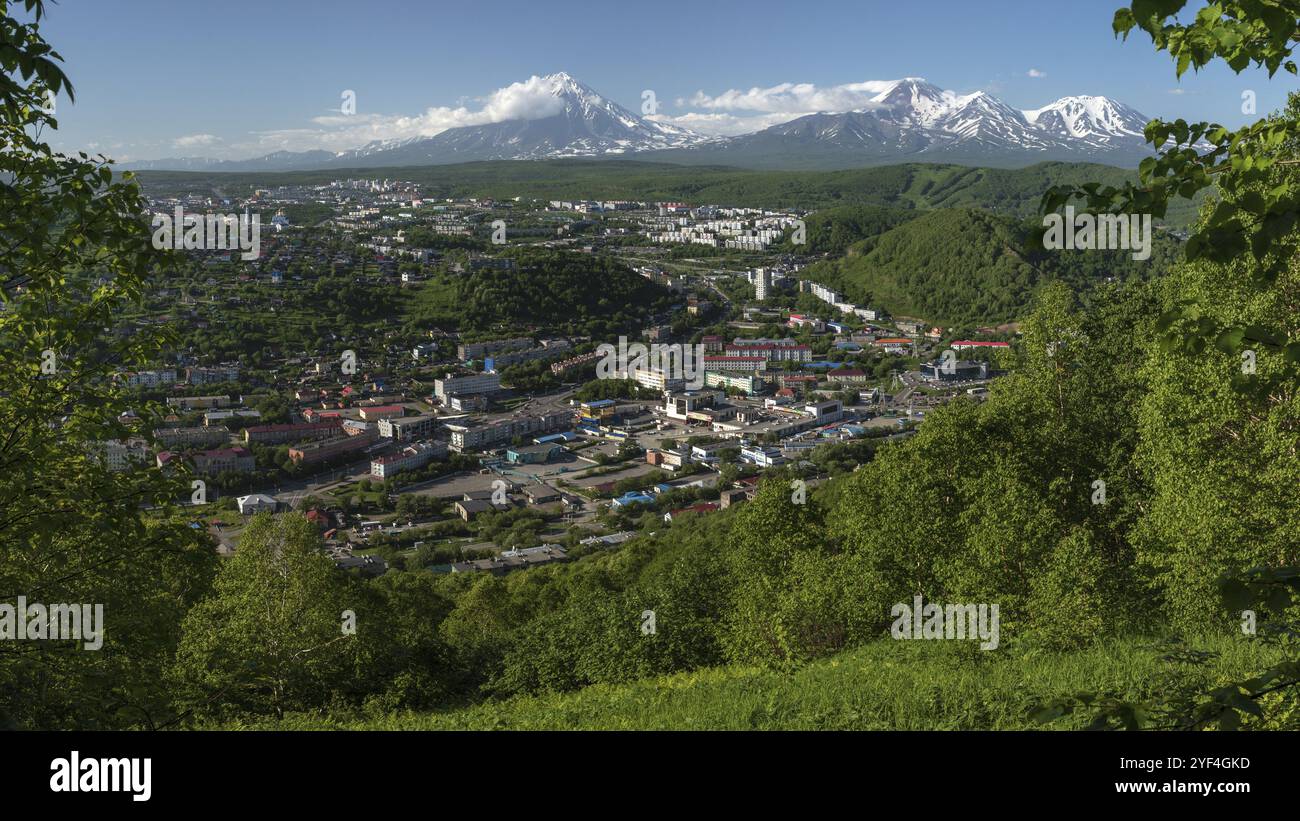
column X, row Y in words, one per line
column 584, row 124
column 907, row 120
column 1088, row 118
column 914, row 120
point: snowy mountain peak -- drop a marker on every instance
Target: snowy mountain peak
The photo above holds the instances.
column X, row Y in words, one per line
column 1088, row 117
column 909, row 119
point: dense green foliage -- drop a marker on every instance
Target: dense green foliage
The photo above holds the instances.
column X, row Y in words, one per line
column 848, row 228
column 558, row 291
column 963, row 265
column 884, row 686
column 72, row 530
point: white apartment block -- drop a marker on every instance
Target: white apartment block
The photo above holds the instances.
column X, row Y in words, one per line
column 151, row 379
column 474, row 383
column 656, row 379
column 411, row 457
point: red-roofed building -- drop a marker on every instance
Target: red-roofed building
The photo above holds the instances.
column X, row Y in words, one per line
column 319, row 518
column 382, row 412
column 313, row 415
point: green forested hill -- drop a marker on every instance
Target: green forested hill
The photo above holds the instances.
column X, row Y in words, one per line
column 836, row 230
column 955, row 265
column 560, row 291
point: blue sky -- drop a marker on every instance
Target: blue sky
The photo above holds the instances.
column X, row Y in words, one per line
column 238, row 79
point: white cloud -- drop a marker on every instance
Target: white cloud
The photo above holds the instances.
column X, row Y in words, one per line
column 196, row 140
column 531, row 99
column 1036, row 73
column 794, row 98
column 1179, row 91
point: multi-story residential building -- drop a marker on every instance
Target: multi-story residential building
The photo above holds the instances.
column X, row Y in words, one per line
column 466, row 385
column 854, row 375
column 278, row 434
column 771, row 351
column 119, row 456
column 411, row 457
column 220, row 373
column 151, row 379
column 740, row 364
column 750, row 383
column 653, row 378
column 224, row 460
column 820, row 291
column 330, row 448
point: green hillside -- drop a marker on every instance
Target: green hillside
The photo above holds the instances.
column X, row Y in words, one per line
column 836, row 230
column 557, row 291
column 886, row 685
column 956, row 265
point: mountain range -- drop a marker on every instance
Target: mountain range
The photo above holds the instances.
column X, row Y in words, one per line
column 910, row 120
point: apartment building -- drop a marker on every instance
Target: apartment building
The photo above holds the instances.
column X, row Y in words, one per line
column 466, row 385
column 771, row 351
column 330, row 448
column 151, row 379
column 279, row 434
column 740, row 364
column 411, row 457
column 220, row 373
column 224, row 460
